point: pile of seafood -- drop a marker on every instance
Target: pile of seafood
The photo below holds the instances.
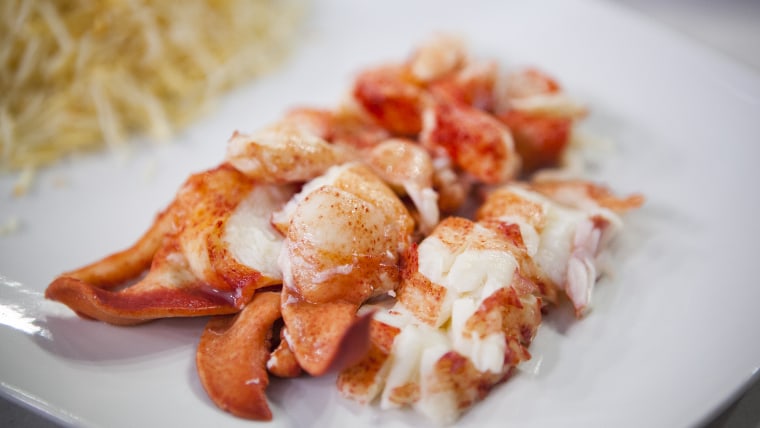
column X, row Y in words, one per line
column 401, row 240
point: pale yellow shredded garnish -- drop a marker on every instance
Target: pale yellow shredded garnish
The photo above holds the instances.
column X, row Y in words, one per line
column 80, row 74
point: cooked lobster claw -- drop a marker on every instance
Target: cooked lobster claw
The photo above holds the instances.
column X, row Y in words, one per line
column 206, row 254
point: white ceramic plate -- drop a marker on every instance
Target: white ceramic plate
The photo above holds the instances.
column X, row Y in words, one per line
column 673, row 334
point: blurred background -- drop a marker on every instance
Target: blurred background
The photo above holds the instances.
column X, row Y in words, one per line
column 730, row 27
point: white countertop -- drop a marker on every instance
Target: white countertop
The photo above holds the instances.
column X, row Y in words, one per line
column 731, row 27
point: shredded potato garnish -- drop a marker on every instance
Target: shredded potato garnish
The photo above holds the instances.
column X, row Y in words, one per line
column 80, row 74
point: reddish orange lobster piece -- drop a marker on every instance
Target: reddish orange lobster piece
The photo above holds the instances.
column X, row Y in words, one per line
column 191, row 266
column 232, row 356
column 343, row 243
column 539, row 140
column 341, row 127
column 475, row 141
column 391, row 97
